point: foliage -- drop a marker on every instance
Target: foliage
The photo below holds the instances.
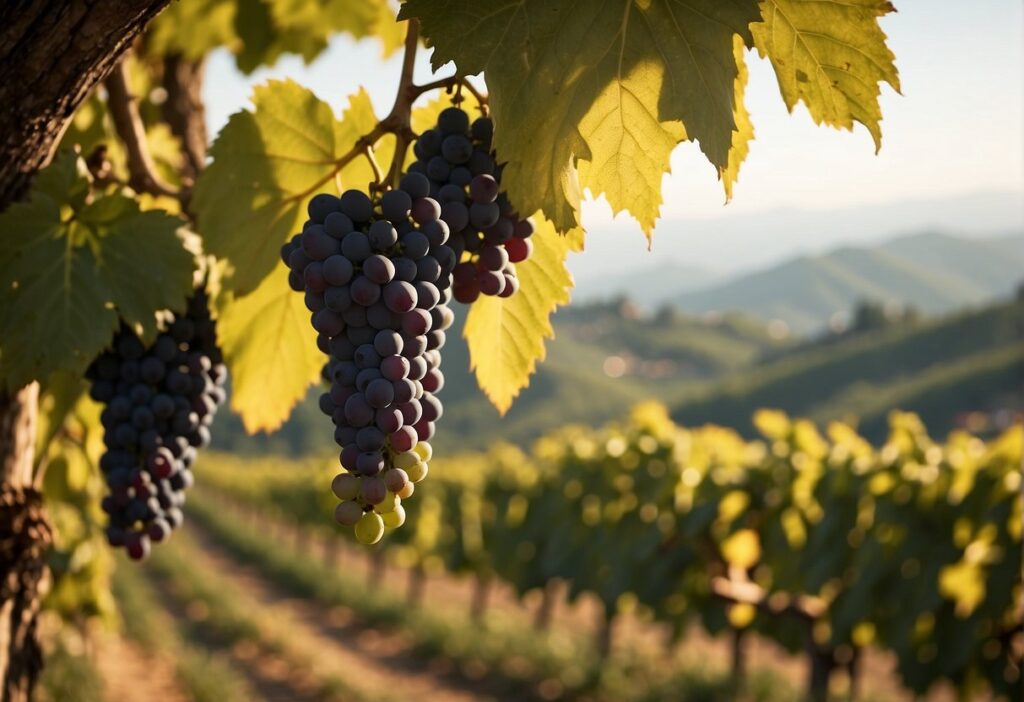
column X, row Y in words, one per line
column 617, row 88
column 612, row 111
column 811, row 540
column 69, row 270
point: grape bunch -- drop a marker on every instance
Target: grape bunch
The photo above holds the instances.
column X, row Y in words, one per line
column 160, row 401
column 377, row 279
column 487, row 235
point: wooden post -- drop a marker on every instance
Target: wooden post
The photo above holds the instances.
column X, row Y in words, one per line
column 481, row 595
column 546, row 609
column 739, row 658
column 417, row 585
column 605, row 631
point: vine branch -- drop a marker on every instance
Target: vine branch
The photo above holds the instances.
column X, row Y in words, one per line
column 399, row 120
column 124, row 111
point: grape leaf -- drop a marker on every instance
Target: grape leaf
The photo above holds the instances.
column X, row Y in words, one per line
column 266, row 166
column 744, row 133
column 831, row 55
column 571, row 81
column 271, row 350
column 506, row 335
column 258, row 32
column 69, row 269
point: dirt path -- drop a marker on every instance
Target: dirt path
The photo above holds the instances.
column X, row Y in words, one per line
column 371, row 661
column 130, row 674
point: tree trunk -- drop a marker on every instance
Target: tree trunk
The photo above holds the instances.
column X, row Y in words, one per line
column 52, row 53
column 24, row 539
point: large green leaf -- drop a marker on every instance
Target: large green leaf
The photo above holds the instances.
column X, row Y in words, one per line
column 831, row 54
column 506, row 335
column 267, row 164
column 70, row 268
column 271, row 350
column 616, row 84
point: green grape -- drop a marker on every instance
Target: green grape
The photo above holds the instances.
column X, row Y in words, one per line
column 394, row 518
column 388, row 504
column 417, row 472
column 369, row 528
column 424, row 451
column 406, row 460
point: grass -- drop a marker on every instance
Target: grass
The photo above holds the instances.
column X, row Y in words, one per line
column 204, row 675
column 505, row 650
column 229, row 616
column 69, row 675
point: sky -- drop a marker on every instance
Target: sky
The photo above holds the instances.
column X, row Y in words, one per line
column 952, row 155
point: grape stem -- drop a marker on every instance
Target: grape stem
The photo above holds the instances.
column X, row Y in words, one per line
column 450, row 82
column 124, row 112
column 378, row 176
column 399, row 120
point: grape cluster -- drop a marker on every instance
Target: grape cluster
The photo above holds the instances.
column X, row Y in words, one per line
column 377, row 279
column 160, row 401
column 488, row 237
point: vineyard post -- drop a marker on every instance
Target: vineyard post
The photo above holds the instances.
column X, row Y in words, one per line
column 546, row 608
column 481, row 592
column 51, row 55
column 417, row 585
column 605, row 630
column 739, row 657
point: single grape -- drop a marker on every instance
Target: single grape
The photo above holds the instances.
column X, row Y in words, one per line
column 370, row 528
column 394, row 518
column 345, row 486
column 348, row 513
column 356, row 205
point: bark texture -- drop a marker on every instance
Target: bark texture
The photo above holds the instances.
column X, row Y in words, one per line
column 52, row 53
column 24, row 540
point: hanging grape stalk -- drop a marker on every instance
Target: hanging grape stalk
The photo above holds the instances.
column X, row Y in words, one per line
column 160, row 401
column 488, row 235
column 376, row 277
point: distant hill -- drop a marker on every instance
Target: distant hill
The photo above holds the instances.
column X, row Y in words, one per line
column 648, row 286
column 934, row 272
column 940, row 368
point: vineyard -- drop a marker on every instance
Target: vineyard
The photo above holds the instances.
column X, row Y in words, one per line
column 303, row 259
column 821, row 544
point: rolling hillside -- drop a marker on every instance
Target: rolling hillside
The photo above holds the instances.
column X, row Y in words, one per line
column 934, row 272
column 940, row 368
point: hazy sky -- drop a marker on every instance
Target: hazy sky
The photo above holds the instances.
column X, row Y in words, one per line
column 956, row 130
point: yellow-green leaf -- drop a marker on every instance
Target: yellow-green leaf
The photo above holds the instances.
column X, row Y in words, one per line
column 595, row 82
column 506, row 335
column 260, row 31
column 270, row 347
column 830, row 54
column 744, row 133
column 266, row 166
